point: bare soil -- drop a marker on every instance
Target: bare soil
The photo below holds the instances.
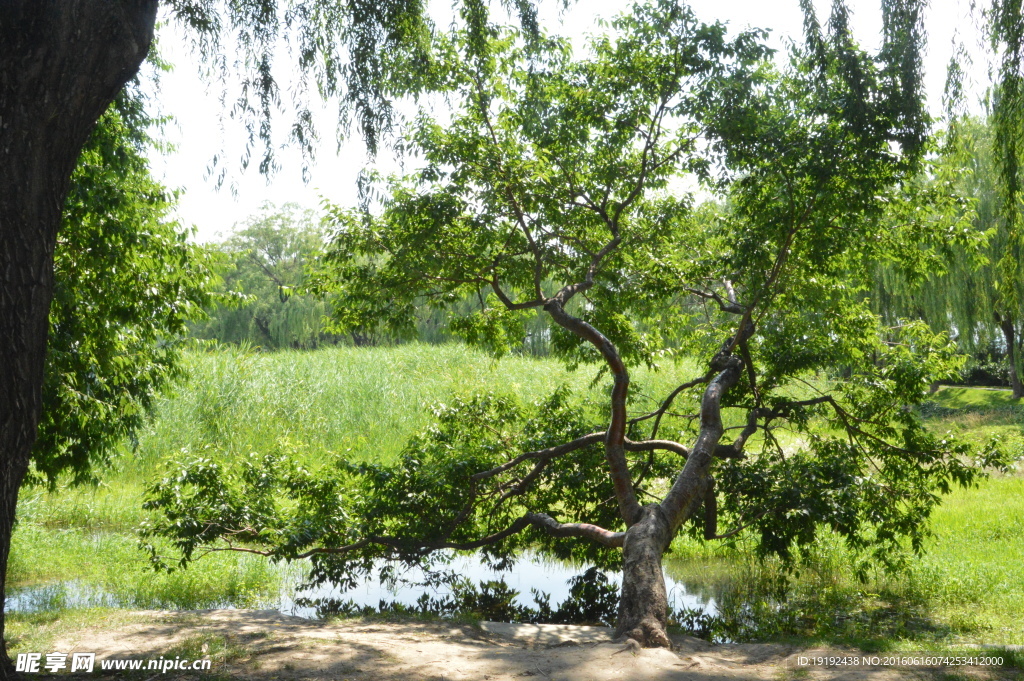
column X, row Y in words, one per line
column 265, row 645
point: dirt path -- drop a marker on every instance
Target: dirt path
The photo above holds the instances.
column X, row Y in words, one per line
column 265, row 645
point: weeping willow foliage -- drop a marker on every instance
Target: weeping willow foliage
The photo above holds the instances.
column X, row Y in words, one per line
column 1006, row 33
column 977, row 293
column 961, row 295
column 261, row 302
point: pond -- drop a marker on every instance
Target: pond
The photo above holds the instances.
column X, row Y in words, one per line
column 531, row 572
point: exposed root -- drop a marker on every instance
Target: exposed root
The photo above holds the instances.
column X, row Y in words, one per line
column 648, row 633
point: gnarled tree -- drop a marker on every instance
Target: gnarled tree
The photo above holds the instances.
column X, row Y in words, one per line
column 554, row 169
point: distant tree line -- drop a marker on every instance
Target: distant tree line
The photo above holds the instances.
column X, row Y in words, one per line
column 259, row 299
column 266, row 295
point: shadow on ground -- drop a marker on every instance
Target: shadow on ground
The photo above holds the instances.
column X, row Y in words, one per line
column 265, row 646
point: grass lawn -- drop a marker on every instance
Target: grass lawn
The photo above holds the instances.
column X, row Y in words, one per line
column 955, row 397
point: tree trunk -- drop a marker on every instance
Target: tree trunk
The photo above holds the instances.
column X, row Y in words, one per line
column 643, row 605
column 61, row 64
column 643, row 609
column 1009, row 334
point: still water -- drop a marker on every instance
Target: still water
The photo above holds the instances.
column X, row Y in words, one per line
column 531, row 572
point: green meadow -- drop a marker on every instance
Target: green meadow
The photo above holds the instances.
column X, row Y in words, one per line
column 75, row 554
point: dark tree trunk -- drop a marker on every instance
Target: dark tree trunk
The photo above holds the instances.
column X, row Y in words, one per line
column 61, row 64
column 1010, row 336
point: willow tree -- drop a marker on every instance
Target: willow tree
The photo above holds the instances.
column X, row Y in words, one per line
column 978, row 292
column 1006, row 31
column 259, row 299
column 556, row 169
column 969, row 288
column 984, row 296
column 62, row 62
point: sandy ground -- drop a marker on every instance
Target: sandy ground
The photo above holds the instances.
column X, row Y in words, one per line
column 265, row 645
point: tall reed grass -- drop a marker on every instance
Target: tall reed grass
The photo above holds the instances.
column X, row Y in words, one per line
column 360, row 402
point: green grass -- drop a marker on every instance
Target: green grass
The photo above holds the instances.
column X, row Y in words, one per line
column 966, row 588
column 364, row 404
column 953, row 397
column 107, row 568
column 978, row 415
column 973, row 573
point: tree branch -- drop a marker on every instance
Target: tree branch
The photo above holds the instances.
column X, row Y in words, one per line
column 723, row 305
column 625, row 494
column 557, row 529
column 668, row 402
column 540, row 520
column 736, row 530
column 681, row 500
column 507, row 302
column 549, row 453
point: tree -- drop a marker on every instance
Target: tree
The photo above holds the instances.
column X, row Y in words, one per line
column 990, row 284
column 62, row 62
column 1006, row 32
column 47, row 115
column 999, row 160
column 268, row 258
column 555, row 169
column 126, row 281
column 964, row 291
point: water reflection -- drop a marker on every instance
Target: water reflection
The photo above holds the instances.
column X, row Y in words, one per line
column 532, row 571
column 57, row 596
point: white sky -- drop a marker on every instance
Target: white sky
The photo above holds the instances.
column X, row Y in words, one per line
column 196, row 108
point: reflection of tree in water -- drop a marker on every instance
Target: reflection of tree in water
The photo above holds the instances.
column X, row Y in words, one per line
column 706, row 580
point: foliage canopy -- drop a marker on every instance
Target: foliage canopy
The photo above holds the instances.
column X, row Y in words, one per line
column 554, row 186
column 126, row 283
column 260, row 299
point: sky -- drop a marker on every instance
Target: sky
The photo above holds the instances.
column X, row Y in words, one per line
column 200, row 131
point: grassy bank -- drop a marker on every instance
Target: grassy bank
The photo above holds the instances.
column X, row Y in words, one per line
column 966, row 587
column 364, row 403
column 358, row 403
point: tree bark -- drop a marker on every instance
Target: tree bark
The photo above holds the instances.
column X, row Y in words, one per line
column 1010, row 336
column 615, row 439
column 62, row 62
column 643, row 605
column 643, row 608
